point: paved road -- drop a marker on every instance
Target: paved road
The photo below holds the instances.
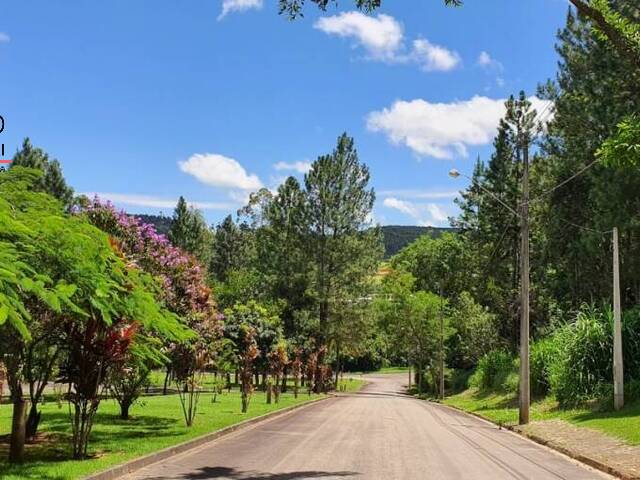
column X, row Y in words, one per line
column 376, row 434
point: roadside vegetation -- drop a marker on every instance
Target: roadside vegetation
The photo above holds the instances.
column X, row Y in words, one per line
column 138, row 335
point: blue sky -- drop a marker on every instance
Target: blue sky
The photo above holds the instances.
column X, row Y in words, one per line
column 145, row 101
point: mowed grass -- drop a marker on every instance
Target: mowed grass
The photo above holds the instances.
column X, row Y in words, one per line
column 156, row 422
column 351, row 385
column 503, row 408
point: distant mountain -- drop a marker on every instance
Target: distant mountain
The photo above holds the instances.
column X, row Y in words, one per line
column 396, row 237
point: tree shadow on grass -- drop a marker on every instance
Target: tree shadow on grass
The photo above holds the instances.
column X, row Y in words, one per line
column 630, row 410
column 134, row 426
column 234, row 474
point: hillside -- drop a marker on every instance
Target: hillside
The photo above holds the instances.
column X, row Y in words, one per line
column 396, row 237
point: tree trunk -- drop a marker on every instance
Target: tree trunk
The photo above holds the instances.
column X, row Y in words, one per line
column 33, row 420
column 18, row 431
column 269, row 392
column 124, row 410
column 166, row 381
column 283, row 387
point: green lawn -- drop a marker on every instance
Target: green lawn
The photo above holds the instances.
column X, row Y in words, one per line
column 394, row 370
column 351, row 385
column 155, row 423
column 624, row 424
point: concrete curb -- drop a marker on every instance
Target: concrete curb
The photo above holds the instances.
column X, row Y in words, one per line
column 592, row 462
column 141, row 462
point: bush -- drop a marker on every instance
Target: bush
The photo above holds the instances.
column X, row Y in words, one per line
column 460, row 380
column 495, row 371
column 543, row 352
column 582, row 365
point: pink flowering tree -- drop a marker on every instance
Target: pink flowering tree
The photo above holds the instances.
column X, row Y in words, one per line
column 183, row 291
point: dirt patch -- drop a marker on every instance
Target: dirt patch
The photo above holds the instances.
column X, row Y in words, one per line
column 622, row 458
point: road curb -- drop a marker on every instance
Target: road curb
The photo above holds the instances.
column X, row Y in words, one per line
column 592, row 462
column 146, row 460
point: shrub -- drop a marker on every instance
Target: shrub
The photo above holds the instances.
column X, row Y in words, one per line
column 582, row 364
column 542, row 354
column 494, row 371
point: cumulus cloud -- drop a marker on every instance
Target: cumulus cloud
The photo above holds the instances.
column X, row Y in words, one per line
column 137, row 200
column 229, row 6
column 300, row 167
column 219, row 171
column 424, row 214
column 4, row 37
column 442, row 130
column 382, row 37
column 402, row 206
column 432, row 57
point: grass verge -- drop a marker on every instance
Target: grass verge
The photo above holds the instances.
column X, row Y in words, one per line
column 351, row 385
column 155, row 423
column 503, row 408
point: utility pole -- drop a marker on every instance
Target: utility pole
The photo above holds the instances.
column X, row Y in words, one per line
column 618, row 370
column 441, row 344
column 525, row 395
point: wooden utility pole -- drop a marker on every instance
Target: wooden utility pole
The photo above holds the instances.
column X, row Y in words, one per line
column 441, row 344
column 525, row 396
column 618, row 370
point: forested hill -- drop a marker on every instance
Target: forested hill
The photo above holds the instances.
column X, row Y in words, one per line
column 396, row 237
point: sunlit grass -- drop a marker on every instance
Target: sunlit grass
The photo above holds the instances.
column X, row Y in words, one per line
column 503, row 408
column 156, row 422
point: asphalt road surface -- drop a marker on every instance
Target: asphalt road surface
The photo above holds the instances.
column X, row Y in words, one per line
column 376, row 434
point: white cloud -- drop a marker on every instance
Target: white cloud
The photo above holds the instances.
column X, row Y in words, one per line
column 421, row 194
column 381, row 36
column 432, row 57
column 300, row 167
column 441, row 130
column 4, row 37
column 154, row 202
column 383, row 39
column 402, row 206
column 485, row 60
column 219, row 171
column 229, row 6
column 425, row 214
column 437, row 213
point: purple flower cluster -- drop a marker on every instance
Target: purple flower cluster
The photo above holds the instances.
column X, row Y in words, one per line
column 183, row 280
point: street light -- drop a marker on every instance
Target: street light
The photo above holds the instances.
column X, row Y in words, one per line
column 453, row 173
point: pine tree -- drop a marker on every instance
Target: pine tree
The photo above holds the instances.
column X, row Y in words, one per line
column 228, row 247
column 190, row 232
column 338, row 204
column 52, row 181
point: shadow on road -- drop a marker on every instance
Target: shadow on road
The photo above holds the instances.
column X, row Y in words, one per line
column 233, row 474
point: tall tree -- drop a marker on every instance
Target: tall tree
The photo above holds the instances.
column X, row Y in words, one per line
column 588, row 107
column 229, row 247
column 52, row 181
column 190, row 232
column 339, row 203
